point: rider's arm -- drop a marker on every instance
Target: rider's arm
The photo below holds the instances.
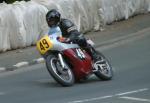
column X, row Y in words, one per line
column 71, row 29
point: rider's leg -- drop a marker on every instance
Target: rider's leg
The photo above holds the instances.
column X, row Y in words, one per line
column 82, row 42
column 91, row 51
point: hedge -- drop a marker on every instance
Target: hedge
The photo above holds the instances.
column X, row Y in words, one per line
column 11, row 1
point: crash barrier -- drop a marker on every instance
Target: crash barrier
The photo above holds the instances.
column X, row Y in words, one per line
column 22, row 23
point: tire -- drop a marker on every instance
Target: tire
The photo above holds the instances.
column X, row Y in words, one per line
column 56, row 71
column 104, row 71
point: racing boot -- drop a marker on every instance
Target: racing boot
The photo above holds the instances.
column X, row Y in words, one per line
column 92, row 52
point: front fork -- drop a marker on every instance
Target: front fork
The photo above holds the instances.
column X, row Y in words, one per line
column 61, row 60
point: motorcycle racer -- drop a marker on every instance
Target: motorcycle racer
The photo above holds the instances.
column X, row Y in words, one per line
column 69, row 31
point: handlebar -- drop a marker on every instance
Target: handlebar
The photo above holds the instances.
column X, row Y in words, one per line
column 63, row 39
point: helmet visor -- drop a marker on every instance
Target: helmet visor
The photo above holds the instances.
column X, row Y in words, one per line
column 52, row 22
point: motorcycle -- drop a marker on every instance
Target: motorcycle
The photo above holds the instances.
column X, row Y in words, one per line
column 68, row 62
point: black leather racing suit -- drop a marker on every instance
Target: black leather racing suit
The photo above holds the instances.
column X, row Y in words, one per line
column 70, row 31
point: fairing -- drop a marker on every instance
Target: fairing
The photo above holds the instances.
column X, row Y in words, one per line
column 81, row 67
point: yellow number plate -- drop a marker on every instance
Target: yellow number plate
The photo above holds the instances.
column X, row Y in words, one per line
column 44, row 44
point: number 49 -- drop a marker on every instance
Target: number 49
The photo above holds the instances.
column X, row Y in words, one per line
column 44, row 45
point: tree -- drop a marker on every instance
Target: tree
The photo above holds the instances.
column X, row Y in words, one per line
column 11, row 1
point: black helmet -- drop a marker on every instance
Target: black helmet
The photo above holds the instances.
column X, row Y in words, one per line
column 53, row 18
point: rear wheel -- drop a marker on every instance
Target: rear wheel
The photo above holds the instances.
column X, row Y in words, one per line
column 103, row 69
column 63, row 76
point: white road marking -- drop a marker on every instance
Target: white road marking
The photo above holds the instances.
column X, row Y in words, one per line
column 91, row 99
column 2, row 69
column 40, row 60
column 20, row 64
column 1, row 93
column 136, row 99
column 135, row 91
column 109, row 96
column 27, row 69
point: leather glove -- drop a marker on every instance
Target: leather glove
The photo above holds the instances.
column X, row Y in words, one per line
column 63, row 39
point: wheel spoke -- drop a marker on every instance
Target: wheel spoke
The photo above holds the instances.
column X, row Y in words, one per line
column 65, row 75
column 102, row 66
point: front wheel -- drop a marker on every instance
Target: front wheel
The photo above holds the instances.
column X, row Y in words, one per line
column 103, row 68
column 63, row 76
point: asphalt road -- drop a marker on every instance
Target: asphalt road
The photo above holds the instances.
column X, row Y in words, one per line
column 130, row 58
